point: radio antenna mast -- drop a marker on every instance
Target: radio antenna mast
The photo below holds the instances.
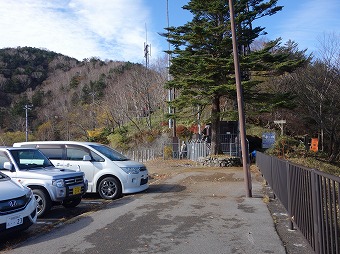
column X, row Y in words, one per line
column 171, row 92
column 147, row 49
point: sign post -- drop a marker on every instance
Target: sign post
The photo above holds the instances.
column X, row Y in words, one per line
column 280, row 123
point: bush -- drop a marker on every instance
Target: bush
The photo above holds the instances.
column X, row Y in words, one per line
column 167, row 153
column 285, row 146
column 119, row 139
column 99, row 135
column 8, row 138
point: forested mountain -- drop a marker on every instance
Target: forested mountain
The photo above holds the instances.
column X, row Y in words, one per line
column 26, row 68
column 67, row 97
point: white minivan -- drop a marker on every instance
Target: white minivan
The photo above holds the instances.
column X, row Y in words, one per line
column 108, row 172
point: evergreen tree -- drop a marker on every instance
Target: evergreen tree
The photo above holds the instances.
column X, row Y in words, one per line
column 202, row 66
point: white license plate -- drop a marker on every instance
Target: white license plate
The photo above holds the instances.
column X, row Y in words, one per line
column 14, row 221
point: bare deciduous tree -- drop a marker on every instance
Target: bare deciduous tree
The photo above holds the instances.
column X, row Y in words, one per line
column 318, row 93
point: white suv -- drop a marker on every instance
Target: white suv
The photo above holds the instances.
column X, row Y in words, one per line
column 50, row 185
column 108, row 172
column 18, row 207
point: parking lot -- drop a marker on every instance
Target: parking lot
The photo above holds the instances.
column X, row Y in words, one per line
column 56, row 216
column 59, row 214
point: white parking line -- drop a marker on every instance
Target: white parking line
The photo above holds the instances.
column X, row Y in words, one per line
column 92, row 202
column 44, row 222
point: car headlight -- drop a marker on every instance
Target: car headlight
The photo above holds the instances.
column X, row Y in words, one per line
column 29, row 194
column 58, row 183
column 130, row 171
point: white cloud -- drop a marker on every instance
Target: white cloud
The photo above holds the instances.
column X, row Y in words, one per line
column 112, row 29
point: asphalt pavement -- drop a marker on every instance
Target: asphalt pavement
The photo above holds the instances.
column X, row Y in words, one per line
column 195, row 211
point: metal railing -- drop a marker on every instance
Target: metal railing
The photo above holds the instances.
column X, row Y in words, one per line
column 311, row 198
column 195, row 149
column 140, row 155
column 191, row 150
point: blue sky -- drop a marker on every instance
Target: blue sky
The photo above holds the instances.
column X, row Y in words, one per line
column 118, row 29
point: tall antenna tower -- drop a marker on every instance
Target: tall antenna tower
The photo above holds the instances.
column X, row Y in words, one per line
column 147, row 53
column 147, row 49
column 171, row 92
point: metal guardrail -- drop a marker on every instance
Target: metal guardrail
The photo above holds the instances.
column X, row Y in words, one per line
column 311, row 198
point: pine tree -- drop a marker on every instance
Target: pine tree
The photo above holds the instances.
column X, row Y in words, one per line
column 202, row 68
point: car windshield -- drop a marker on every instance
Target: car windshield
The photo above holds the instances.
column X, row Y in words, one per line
column 110, row 153
column 30, row 159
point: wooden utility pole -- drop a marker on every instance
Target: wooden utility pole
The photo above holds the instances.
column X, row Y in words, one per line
column 240, row 104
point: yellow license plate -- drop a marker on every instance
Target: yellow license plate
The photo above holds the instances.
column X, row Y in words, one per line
column 76, row 190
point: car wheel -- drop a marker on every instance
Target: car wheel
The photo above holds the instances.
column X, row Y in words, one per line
column 44, row 203
column 71, row 203
column 110, row 188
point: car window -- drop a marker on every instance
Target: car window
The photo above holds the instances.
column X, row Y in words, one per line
column 96, row 157
column 109, row 153
column 75, row 153
column 78, row 152
column 53, row 153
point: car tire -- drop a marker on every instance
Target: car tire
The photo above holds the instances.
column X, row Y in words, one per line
column 71, row 203
column 110, row 188
column 44, row 202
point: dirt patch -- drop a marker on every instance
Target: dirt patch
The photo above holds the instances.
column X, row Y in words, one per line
column 160, row 169
column 216, row 177
column 164, row 166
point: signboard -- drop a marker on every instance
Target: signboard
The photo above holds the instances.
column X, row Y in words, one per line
column 268, row 139
column 314, row 144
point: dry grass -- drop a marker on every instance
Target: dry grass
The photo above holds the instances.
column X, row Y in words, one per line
column 266, row 199
column 317, row 163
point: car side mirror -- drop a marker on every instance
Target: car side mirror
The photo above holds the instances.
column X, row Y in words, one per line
column 9, row 166
column 87, row 158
